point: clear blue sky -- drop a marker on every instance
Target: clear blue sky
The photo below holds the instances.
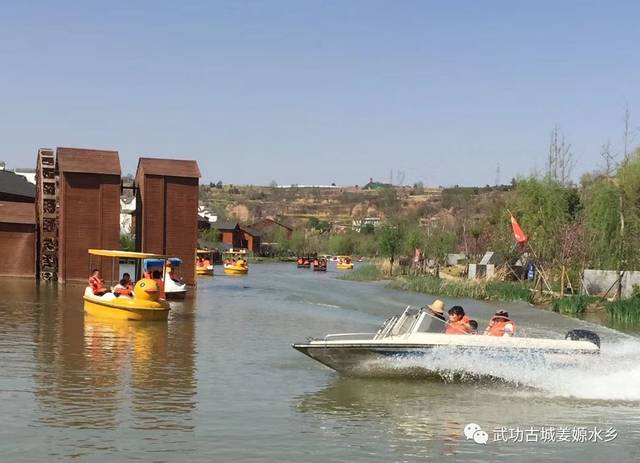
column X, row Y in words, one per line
column 320, row 91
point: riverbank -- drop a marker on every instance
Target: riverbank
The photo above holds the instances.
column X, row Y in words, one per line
column 621, row 314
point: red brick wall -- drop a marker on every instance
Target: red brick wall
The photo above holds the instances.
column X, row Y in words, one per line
column 168, row 214
column 181, row 211
column 89, row 218
column 18, row 249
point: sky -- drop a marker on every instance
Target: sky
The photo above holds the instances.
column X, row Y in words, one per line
column 315, row 92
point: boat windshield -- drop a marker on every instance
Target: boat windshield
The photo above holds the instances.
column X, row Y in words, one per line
column 431, row 324
column 405, row 322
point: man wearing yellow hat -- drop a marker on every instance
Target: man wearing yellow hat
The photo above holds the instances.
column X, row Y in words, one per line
column 436, row 310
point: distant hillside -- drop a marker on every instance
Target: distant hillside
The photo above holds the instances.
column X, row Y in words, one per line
column 295, row 205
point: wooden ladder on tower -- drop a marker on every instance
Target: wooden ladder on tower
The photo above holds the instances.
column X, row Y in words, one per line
column 47, row 215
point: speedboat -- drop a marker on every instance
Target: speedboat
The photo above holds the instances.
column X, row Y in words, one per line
column 415, row 339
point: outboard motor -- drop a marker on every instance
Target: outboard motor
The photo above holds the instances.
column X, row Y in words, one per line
column 583, row 335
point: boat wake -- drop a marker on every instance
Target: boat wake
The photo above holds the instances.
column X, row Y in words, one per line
column 612, row 375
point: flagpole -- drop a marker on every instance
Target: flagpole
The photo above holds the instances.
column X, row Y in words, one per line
column 536, row 264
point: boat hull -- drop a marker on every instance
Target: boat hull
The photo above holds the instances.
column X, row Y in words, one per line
column 106, row 309
column 344, row 266
column 384, row 359
column 175, row 294
column 236, row 271
column 204, row 271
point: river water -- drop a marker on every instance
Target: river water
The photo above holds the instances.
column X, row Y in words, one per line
column 220, row 382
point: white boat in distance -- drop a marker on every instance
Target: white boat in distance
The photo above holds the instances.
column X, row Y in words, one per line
column 417, row 335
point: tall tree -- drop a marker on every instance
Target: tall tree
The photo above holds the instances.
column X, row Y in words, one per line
column 390, row 242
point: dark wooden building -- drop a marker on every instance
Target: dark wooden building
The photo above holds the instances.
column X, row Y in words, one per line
column 167, row 210
column 89, row 210
column 236, row 236
column 269, row 226
column 18, row 239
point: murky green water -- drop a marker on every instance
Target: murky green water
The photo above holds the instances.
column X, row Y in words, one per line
column 220, row 382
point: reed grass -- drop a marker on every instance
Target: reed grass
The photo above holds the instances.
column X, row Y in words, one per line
column 625, row 311
column 573, row 305
column 482, row 290
column 367, row 272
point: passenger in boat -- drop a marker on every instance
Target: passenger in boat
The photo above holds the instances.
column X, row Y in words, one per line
column 172, row 272
column 157, row 277
column 501, row 325
column 124, row 287
column 474, row 326
column 458, row 322
column 206, row 263
column 97, row 283
column 436, row 309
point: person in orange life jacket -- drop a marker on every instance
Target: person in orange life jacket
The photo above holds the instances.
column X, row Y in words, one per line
column 173, row 272
column 125, row 287
column 157, row 276
column 458, row 321
column 501, row 325
column 97, row 283
column 474, row 326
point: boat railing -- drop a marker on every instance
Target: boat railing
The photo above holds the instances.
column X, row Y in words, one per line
column 349, row 336
column 387, row 326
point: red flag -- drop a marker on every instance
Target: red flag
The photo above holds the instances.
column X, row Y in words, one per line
column 521, row 238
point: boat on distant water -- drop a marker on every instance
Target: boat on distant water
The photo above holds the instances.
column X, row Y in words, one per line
column 235, row 262
column 417, row 336
column 319, row 264
column 344, row 263
column 204, row 262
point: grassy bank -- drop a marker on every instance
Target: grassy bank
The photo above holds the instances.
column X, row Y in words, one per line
column 482, row 290
column 574, row 305
column 624, row 313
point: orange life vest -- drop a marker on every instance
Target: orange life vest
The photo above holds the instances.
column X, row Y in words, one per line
column 496, row 328
column 123, row 291
column 459, row 327
column 160, row 284
column 96, row 285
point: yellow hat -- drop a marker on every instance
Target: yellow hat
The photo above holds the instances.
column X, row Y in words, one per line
column 437, row 306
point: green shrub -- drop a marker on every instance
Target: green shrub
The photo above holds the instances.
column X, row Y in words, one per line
column 572, row 305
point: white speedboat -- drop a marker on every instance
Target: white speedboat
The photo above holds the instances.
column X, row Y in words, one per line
column 415, row 340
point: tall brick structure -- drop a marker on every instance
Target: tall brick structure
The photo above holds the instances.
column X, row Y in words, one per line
column 89, row 210
column 167, row 210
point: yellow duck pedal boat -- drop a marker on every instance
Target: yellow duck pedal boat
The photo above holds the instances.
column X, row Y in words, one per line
column 236, row 269
column 344, row 263
column 144, row 305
